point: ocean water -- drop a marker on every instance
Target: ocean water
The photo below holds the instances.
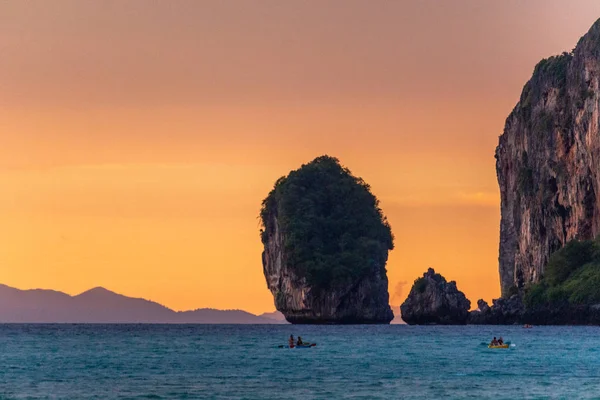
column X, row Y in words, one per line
column 244, row 362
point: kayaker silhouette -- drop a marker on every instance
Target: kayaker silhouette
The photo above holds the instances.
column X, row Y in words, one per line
column 291, row 341
column 299, row 343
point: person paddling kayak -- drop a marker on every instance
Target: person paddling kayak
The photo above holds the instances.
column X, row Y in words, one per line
column 299, row 344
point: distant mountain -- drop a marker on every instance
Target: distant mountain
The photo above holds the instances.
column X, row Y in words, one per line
column 211, row 316
column 276, row 315
column 100, row 305
column 397, row 316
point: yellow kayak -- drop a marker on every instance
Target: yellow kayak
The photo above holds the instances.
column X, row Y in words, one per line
column 500, row 346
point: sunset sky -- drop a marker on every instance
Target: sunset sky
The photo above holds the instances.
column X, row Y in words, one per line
column 138, row 138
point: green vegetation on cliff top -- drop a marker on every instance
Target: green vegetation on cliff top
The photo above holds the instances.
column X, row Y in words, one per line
column 552, row 72
column 333, row 228
column 554, row 67
column 572, row 276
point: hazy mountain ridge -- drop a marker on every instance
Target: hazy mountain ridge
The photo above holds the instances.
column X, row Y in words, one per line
column 276, row 315
column 99, row 305
column 397, row 316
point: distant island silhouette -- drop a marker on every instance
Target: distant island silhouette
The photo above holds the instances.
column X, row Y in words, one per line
column 100, row 305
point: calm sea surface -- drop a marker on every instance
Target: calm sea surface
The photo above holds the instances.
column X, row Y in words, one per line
column 242, row 361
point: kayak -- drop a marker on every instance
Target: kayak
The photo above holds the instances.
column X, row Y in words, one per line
column 500, row 346
column 302, row 346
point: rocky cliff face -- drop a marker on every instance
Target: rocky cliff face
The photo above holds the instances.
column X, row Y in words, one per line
column 362, row 301
column 432, row 300
column 548, row 163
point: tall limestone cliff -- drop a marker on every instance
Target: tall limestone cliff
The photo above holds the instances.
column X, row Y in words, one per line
column 326, row 244
column 548, row 163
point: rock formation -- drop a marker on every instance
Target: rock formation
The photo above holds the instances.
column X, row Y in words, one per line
column 564, row 314
column 432, row 300
column 548, row 163
column 502, row 312
column 326, row 244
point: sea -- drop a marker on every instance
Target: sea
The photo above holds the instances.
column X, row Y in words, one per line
column 247, row 362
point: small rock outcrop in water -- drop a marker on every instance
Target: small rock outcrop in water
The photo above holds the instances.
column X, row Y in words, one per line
column 512, row 311
column 326, row 245
column 548, row 163
column 432, row 300
column 564, row 314
column 502, row 312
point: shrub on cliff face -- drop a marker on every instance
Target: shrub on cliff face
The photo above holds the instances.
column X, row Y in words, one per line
column 552, row 70
column 332, row 225
column 572, row 276
column 555, row 68
column 535, row 294
column 512, row 291
column 583, row 287
column 525, row 181
column 565, row 261
column 420, row 285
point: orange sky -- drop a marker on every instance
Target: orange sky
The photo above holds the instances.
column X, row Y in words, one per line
column 137, row 139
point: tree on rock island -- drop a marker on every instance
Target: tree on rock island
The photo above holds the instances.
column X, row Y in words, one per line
column 326, row 244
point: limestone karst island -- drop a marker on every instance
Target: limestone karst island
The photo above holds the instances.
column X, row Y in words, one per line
column 548, row 169
column 326, row 244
